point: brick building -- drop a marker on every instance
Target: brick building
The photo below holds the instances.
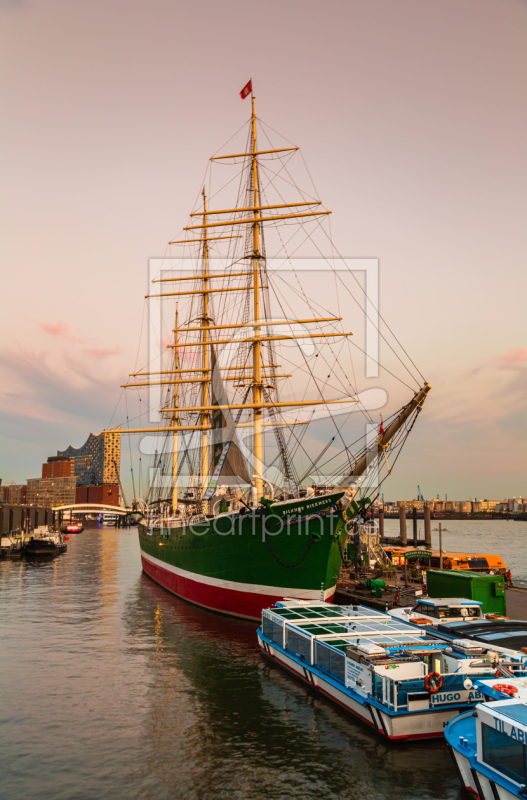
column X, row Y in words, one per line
column 57, row 467
column 106, row 494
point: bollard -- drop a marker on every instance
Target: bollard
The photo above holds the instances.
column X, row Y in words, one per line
column 402, row 526
column 428, row 528
column 414, row 525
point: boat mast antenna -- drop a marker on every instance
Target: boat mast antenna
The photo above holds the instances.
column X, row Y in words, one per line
column 205, row 354
column 257, row 354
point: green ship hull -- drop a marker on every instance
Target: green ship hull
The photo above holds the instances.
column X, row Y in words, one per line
column 239, row 563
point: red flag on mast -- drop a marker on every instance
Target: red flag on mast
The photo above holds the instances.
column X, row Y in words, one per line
column 381, row 428
column 247, row 89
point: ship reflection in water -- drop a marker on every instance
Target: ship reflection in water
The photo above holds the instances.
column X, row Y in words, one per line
column 221, row 723
column 130, row 692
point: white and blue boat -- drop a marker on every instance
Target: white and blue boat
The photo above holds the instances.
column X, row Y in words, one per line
column 398, row 680
column 489, row 743
column 452, row 618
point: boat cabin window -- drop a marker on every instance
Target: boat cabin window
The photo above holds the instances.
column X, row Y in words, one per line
column 458, row 611
column 447, row 612
column 273, row 631
column 504, row 754
column 298, row 644
column 424, row 608
column 330, row 660
column 477, row 563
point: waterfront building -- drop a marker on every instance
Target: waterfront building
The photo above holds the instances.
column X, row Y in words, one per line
column 14, row 494
column 57, row 467
column 107, row 494
column 98, row 461
column 22, row 518
column 51, row 491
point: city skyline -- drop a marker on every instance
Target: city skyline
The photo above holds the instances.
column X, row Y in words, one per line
column 410, row 122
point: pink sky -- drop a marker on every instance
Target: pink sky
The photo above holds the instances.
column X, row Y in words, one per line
column 412, row 118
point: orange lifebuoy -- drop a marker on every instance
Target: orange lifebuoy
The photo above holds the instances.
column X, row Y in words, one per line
column 506, row 688
column 397, row 598
column 433, row 682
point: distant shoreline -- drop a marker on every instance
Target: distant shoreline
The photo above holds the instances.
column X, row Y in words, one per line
column 458, row 515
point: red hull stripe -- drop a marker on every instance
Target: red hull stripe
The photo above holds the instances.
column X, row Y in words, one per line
column 221, row 595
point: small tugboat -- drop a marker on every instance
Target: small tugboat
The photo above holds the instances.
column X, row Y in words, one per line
column 45, row 542
column 74, row 527
column 400, row 681
column 489, row 744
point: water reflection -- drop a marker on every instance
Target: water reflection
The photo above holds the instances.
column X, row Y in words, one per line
column 223, row 723
column 113, row 688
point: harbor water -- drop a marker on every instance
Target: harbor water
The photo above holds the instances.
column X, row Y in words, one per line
column 112, row 688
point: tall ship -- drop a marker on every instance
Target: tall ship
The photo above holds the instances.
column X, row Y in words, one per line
column 247, row 505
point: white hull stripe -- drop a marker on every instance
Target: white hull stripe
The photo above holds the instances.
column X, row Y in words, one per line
column 236, row 586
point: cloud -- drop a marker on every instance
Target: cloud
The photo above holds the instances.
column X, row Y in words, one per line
column 102, row 352
column 59, row 328
column 514, row 358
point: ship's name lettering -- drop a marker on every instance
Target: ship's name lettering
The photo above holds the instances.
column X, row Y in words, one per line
column 304, row 507
column 510, row 730
column 472, row 696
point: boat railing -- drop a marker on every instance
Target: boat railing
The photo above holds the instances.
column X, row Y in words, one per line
column 394, row 692
column 391, row 692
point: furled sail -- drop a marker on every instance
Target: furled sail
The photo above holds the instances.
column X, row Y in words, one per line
column 227, row 458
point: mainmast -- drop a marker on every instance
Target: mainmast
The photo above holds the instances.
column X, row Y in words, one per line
column 175, row 421
column 254, row 215
column 257, row 354
column 205, row 354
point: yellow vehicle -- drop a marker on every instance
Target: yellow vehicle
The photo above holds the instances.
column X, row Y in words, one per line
column 478, row 562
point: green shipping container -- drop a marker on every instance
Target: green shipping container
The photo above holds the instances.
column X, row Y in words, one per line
column 488, row 589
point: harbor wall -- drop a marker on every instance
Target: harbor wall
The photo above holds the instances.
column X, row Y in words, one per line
column 17, row 519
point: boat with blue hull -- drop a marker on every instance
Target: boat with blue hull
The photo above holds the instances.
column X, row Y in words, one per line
column 489, row 744
column 401, row 682
column 453, row 618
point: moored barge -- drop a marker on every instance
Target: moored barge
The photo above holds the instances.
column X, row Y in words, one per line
column 399, row 681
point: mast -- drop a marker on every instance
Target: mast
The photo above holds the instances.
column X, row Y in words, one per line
column 175, row 422
column 205, row 354
column 257, row 355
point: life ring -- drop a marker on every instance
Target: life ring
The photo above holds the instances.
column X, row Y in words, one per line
column 506, row 688
column 397, row 598
column 433, row 682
